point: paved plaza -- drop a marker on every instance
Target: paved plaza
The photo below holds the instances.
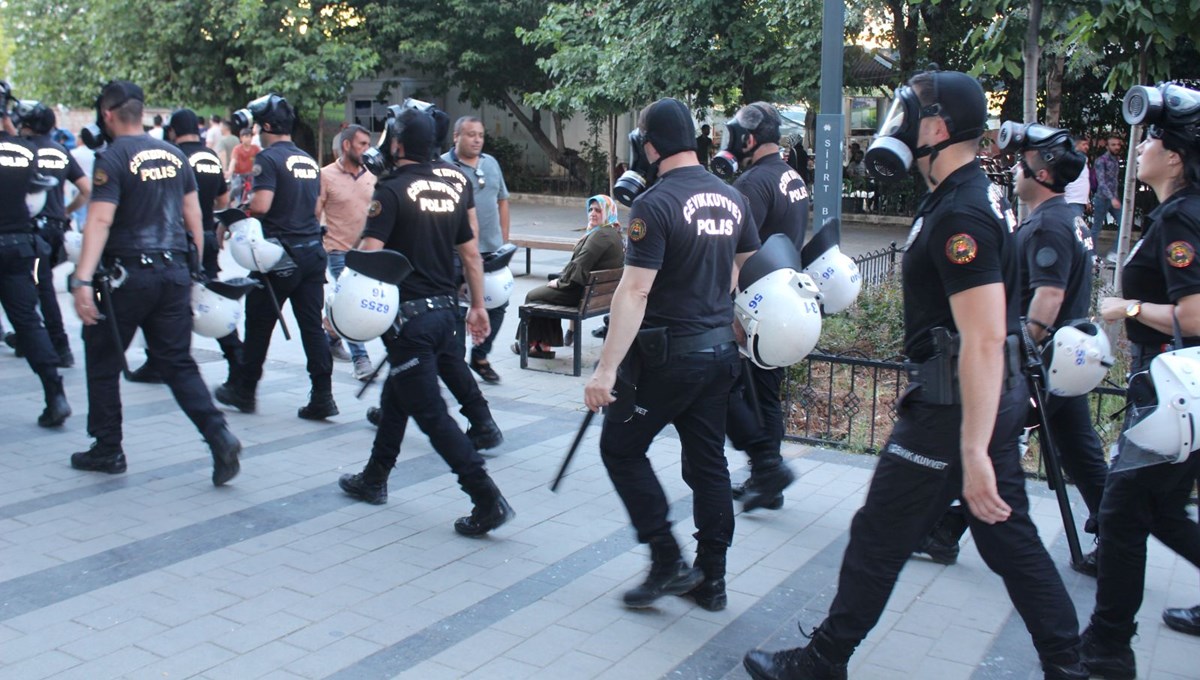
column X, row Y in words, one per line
column 157, row 575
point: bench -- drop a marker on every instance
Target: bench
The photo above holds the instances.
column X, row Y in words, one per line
column 529, row 242
column 597, row 297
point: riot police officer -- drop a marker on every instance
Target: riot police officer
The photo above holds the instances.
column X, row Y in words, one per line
column 183, row 130
column 672, row 307
column 287, row 182
column 142, row 222
column 779, row 202
column 35, row 121
column 419, row 214
column 966, row 402
column 18, row 253
column 1147, row 494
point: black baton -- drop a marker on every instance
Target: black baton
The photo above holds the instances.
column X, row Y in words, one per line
column 587, row 420
column 266, row 277
column 105, row 281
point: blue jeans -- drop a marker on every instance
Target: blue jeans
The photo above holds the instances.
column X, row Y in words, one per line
column 1101, row 209
column 337, row 262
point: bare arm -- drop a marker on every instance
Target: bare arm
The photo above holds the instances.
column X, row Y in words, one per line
column 1158, row 316
column 477, row 317
column 628, row 310
column 1043, row 308
column 95, row 236
column 979, row 315
column 504, row 221
column 261, row 201
column 84, row 185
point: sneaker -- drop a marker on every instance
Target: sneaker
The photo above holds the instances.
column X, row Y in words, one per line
column 100, row 458
column 1087, row 566
column 339, row 351
column 363, row 368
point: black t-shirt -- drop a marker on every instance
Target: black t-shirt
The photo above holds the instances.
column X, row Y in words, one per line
column 704, row 145
column 420, row 214
column 778, row 198
column 961, row 239
column 55, row 161
column 210, row 178
column 1162, row 267
column 296, row 180
column 1055, row 246
column 146, row 179
column 688, row 227
column 18, row 165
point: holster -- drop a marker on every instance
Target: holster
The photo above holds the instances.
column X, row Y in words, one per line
column 938, row 377
column 628, row 374
column 654, row 347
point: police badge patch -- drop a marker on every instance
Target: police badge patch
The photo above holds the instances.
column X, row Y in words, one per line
column 257, row 170
column 637, row 230
column 100, row 178
column 374, row 209
column 961, row 248
column 1180, row 254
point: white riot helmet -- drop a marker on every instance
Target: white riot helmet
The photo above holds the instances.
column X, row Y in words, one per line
column 247, row 244
column 497, row 277
column 1166, row 406
column 777, row 306
column 217, row 306
column 366, row 298
column 73, row 245
column 1076, row 359
column 35, row 197
column 835, row 274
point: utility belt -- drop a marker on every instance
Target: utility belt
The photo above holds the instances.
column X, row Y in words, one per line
column 938, row 376
column 15, row 238
column 657, row 346
column 413, row 308
column 150, row 259
column 51, row 223
column 295, row 241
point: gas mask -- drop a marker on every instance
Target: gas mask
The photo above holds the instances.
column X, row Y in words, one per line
column 97, row 135
column 378, row 159
column 33, row 115
column 270, row 111
column 1172, row 112
column 1053, row 145
column 725, row 163
column 641, row 173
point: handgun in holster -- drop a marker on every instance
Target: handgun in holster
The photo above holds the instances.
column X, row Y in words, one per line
column 938, row 376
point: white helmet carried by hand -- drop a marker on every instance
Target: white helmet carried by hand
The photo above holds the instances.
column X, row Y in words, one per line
column 217, row 306
column 777, row 306
column 835, row 274
column 1166, row 407
column 497, row 277
column 366, row 298
column 35, row 196
column 73, row 245
column 248, row 245
column 1076, row 359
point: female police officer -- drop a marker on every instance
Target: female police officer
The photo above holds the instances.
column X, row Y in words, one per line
column 1162, row 282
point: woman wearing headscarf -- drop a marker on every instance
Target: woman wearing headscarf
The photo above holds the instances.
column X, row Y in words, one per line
column 600, row 248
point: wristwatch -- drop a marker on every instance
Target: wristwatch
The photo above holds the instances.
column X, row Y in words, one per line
column 73, row 283
column 1133, row 309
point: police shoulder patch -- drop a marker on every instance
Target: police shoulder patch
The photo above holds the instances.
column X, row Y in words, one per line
column 961, row 248
column 100, row 178
column 257, row 170
column 374, row 209
column 1045, row 257
column 1180, row 254
column 637, row 230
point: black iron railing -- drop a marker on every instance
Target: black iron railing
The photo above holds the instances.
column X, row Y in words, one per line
column 877, row 265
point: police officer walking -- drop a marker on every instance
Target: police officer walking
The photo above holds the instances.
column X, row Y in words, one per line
column 671, row 355
column 1162, row 281
column 35, row 122
column 183, row 130
column 953, row 437
column 18, row 253
column 422, row 216
column 779, row 202
column 142, row 221
column 287, row 182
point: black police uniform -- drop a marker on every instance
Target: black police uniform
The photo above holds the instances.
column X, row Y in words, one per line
column 1161, row 269
column 296, row 180
column 961, row 239
column 688, row 226
column 18, row 250
column 419, row 213
column 52, row 222
column 778, row 200
column 1055, row 246
column 147, row 180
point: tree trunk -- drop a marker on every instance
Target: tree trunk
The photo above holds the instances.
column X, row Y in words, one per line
column 1054, row 84
column 905, row 34
column 1033, row 52
column 571, row 162
column 1124, row 236
column 612, row 152
column 321, row 136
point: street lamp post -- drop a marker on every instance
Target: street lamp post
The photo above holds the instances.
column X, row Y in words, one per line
column 827, row 154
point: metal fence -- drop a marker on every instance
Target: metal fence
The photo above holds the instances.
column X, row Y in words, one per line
column 876, row 266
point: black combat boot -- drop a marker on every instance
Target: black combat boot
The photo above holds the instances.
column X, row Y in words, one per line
column 740, row 491
column 225, row 449
column 484, row 434
column 238, row 393
column 57, row 409
column 766, row 491
column 374, row 415
column 66, row 359
column 370, row 485
column 941, row 544
column 710, row 560
column 822, row 659
column 146, row 373
column 1064, row 666
column 669, row 575
column 490, row 511
column 1106, row 651
column 320, row 400
column 100, row 458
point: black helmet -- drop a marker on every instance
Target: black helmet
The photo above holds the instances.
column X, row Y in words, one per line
column 1054, row 146
column 34, row 115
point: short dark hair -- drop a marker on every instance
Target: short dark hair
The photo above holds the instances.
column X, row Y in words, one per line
column 157, row 119
column 216, row 118
column 128, row 111
column 705, row 128
column 350, row 131
column 458, row 124
column 246, row 132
